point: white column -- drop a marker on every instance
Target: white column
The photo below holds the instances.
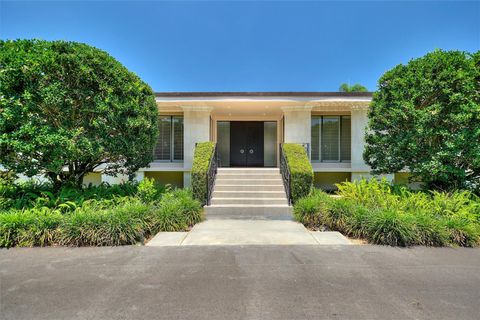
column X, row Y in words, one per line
column 196, row 128
column 298, row 121
column 359, row 123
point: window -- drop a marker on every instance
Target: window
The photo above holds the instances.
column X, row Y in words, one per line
column 331, row 138
column 170, row 140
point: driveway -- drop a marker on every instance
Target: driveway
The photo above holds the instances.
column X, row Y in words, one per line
column 240, row 282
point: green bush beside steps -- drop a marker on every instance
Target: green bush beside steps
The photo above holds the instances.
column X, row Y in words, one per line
column 101, row 216
column 382, row 214
column 201, row 162
column 301, row 172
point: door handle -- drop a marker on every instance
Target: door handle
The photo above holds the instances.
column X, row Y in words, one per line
column 242, row 151
column 251, row 151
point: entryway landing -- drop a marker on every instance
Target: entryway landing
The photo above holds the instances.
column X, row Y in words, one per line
column 248, row 232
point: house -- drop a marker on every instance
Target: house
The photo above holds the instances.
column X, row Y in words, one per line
column 249, row 127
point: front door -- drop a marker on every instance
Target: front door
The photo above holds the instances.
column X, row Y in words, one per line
column 246, row 144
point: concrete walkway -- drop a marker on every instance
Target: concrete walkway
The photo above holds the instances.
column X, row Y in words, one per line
column 248, row 232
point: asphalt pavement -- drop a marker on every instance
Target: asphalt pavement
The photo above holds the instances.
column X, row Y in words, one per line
column 240, row 282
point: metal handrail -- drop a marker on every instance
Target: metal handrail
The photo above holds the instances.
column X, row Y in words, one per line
column 211, row 174
column 285, row 172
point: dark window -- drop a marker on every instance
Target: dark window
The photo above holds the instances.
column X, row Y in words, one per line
column 331, row 138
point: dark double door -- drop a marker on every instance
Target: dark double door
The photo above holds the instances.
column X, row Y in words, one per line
column 246, row 143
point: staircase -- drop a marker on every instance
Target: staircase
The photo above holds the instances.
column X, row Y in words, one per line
column 248, row 193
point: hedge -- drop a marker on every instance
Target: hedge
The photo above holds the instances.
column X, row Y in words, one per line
column 389, row 215
column 301, row 172
column 201, row 162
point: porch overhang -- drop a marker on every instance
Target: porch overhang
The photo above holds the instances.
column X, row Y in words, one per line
column 261, row 103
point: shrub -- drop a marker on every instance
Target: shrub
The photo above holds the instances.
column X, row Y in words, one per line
column 148, row 190
column 201, row 162
column 178, row 211
column 94, row 226
column 89, row 110
column 301, row 172
column 391, row 227
column 32, row 193
column 425, row 117
column 381, row 214
column 371, row 193
column 462, row 231
column 115, row 221
column 31, row 227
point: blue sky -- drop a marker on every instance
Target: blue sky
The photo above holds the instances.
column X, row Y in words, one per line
column 252, row 46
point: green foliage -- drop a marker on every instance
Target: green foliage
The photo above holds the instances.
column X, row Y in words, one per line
column 301, row 172
column 344, row 87
column 35, row 227
column 309, row 210
column 92, row 225
column 178, row 210
column 67, row 105
column 381, row 214
column 201, row 162
column 124, row 215
column 425, row 116
column 32, row 194
column 148, row 190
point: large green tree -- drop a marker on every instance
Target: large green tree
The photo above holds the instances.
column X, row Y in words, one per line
column 67, row 108
column 425, row 117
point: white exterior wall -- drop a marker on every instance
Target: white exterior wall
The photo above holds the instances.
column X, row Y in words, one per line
column 297, row 124
column 359, row 168
column 196, row 128
column 359, row 123
column 121, row 178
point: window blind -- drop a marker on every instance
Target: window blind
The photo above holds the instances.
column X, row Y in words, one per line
column 170, row 139
column 331, row 138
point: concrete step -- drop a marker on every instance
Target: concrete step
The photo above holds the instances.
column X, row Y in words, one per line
column 244, row 182
column 252, row 201
column 259, row 188
column 249, row 194
column 267, row 212
column 256, row 176
column 248, row 170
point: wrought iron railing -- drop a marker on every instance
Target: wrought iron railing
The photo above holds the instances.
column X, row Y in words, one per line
column 212, row 174
column 306, row 146
column 285, row 172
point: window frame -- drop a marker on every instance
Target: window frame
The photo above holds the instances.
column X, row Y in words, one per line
column 172, row 141
column 320, row 139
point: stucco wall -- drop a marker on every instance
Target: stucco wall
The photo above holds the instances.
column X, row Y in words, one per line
column 297, row 124
column 359, row 123
column 196, row 129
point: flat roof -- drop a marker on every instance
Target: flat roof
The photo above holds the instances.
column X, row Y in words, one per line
column 262, row 94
